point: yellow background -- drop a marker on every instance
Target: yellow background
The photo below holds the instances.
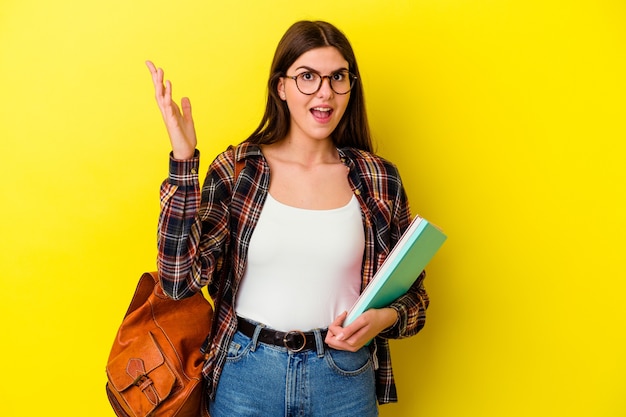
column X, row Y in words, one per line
column 506, row 118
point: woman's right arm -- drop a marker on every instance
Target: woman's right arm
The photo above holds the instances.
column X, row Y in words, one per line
column 192, row 226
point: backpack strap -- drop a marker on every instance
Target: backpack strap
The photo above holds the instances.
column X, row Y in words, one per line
column 238, row 167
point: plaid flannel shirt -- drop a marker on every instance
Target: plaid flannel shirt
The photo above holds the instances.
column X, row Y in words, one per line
column 197, row 227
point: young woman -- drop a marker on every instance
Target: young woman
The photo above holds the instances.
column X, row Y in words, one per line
column 301, row 231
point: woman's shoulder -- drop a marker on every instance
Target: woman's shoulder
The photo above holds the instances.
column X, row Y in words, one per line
column 239, row 152
column 235, row 153
column 369, row 161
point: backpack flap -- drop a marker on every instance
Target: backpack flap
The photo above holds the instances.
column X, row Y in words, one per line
column 140, row 376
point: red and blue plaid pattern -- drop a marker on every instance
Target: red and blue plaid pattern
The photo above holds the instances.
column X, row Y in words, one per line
column 196, row 226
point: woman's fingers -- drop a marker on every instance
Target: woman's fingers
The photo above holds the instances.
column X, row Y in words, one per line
column 178, row 120
column 152, row 69
column 167, row 96
column 157, row 78
column 336, row 328
column 162, row 91
column 186, row 106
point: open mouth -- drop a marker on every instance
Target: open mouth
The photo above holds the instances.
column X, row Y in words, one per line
column 321, row 114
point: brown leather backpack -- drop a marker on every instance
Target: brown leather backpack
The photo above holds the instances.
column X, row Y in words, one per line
column 155, row 364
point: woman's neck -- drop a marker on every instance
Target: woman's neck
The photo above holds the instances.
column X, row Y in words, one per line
column 305, row 152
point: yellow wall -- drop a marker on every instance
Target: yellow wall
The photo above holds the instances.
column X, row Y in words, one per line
column 506, row 118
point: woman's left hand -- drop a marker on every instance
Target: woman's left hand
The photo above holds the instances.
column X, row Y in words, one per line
column 363, row 329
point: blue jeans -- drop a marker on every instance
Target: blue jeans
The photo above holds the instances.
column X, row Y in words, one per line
column 270, row 381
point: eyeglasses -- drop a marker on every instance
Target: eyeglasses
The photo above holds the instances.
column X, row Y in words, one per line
column 341, row 82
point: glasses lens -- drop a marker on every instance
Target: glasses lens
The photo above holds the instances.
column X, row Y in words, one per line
column 308, row 82
column 341, row 82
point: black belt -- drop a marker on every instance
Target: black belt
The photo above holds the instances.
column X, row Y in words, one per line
column 295, row 340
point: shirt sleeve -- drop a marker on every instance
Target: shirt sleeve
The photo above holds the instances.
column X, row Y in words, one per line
column 192, row 225
column 411, row 307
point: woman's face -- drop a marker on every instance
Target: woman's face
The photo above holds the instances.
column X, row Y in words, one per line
column 317, row 115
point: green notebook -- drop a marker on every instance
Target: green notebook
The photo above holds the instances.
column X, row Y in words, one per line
column 404, row 264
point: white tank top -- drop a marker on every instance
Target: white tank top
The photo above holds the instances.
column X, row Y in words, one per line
column 304, row 266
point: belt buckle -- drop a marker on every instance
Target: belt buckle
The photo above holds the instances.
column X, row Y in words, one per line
column 295, row 332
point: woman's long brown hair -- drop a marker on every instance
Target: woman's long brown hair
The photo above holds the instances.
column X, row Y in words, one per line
column 353, row 128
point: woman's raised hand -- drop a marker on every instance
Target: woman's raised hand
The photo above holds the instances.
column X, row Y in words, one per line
column 180, row 127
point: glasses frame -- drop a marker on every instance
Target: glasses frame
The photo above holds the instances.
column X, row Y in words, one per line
column 350, row 75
